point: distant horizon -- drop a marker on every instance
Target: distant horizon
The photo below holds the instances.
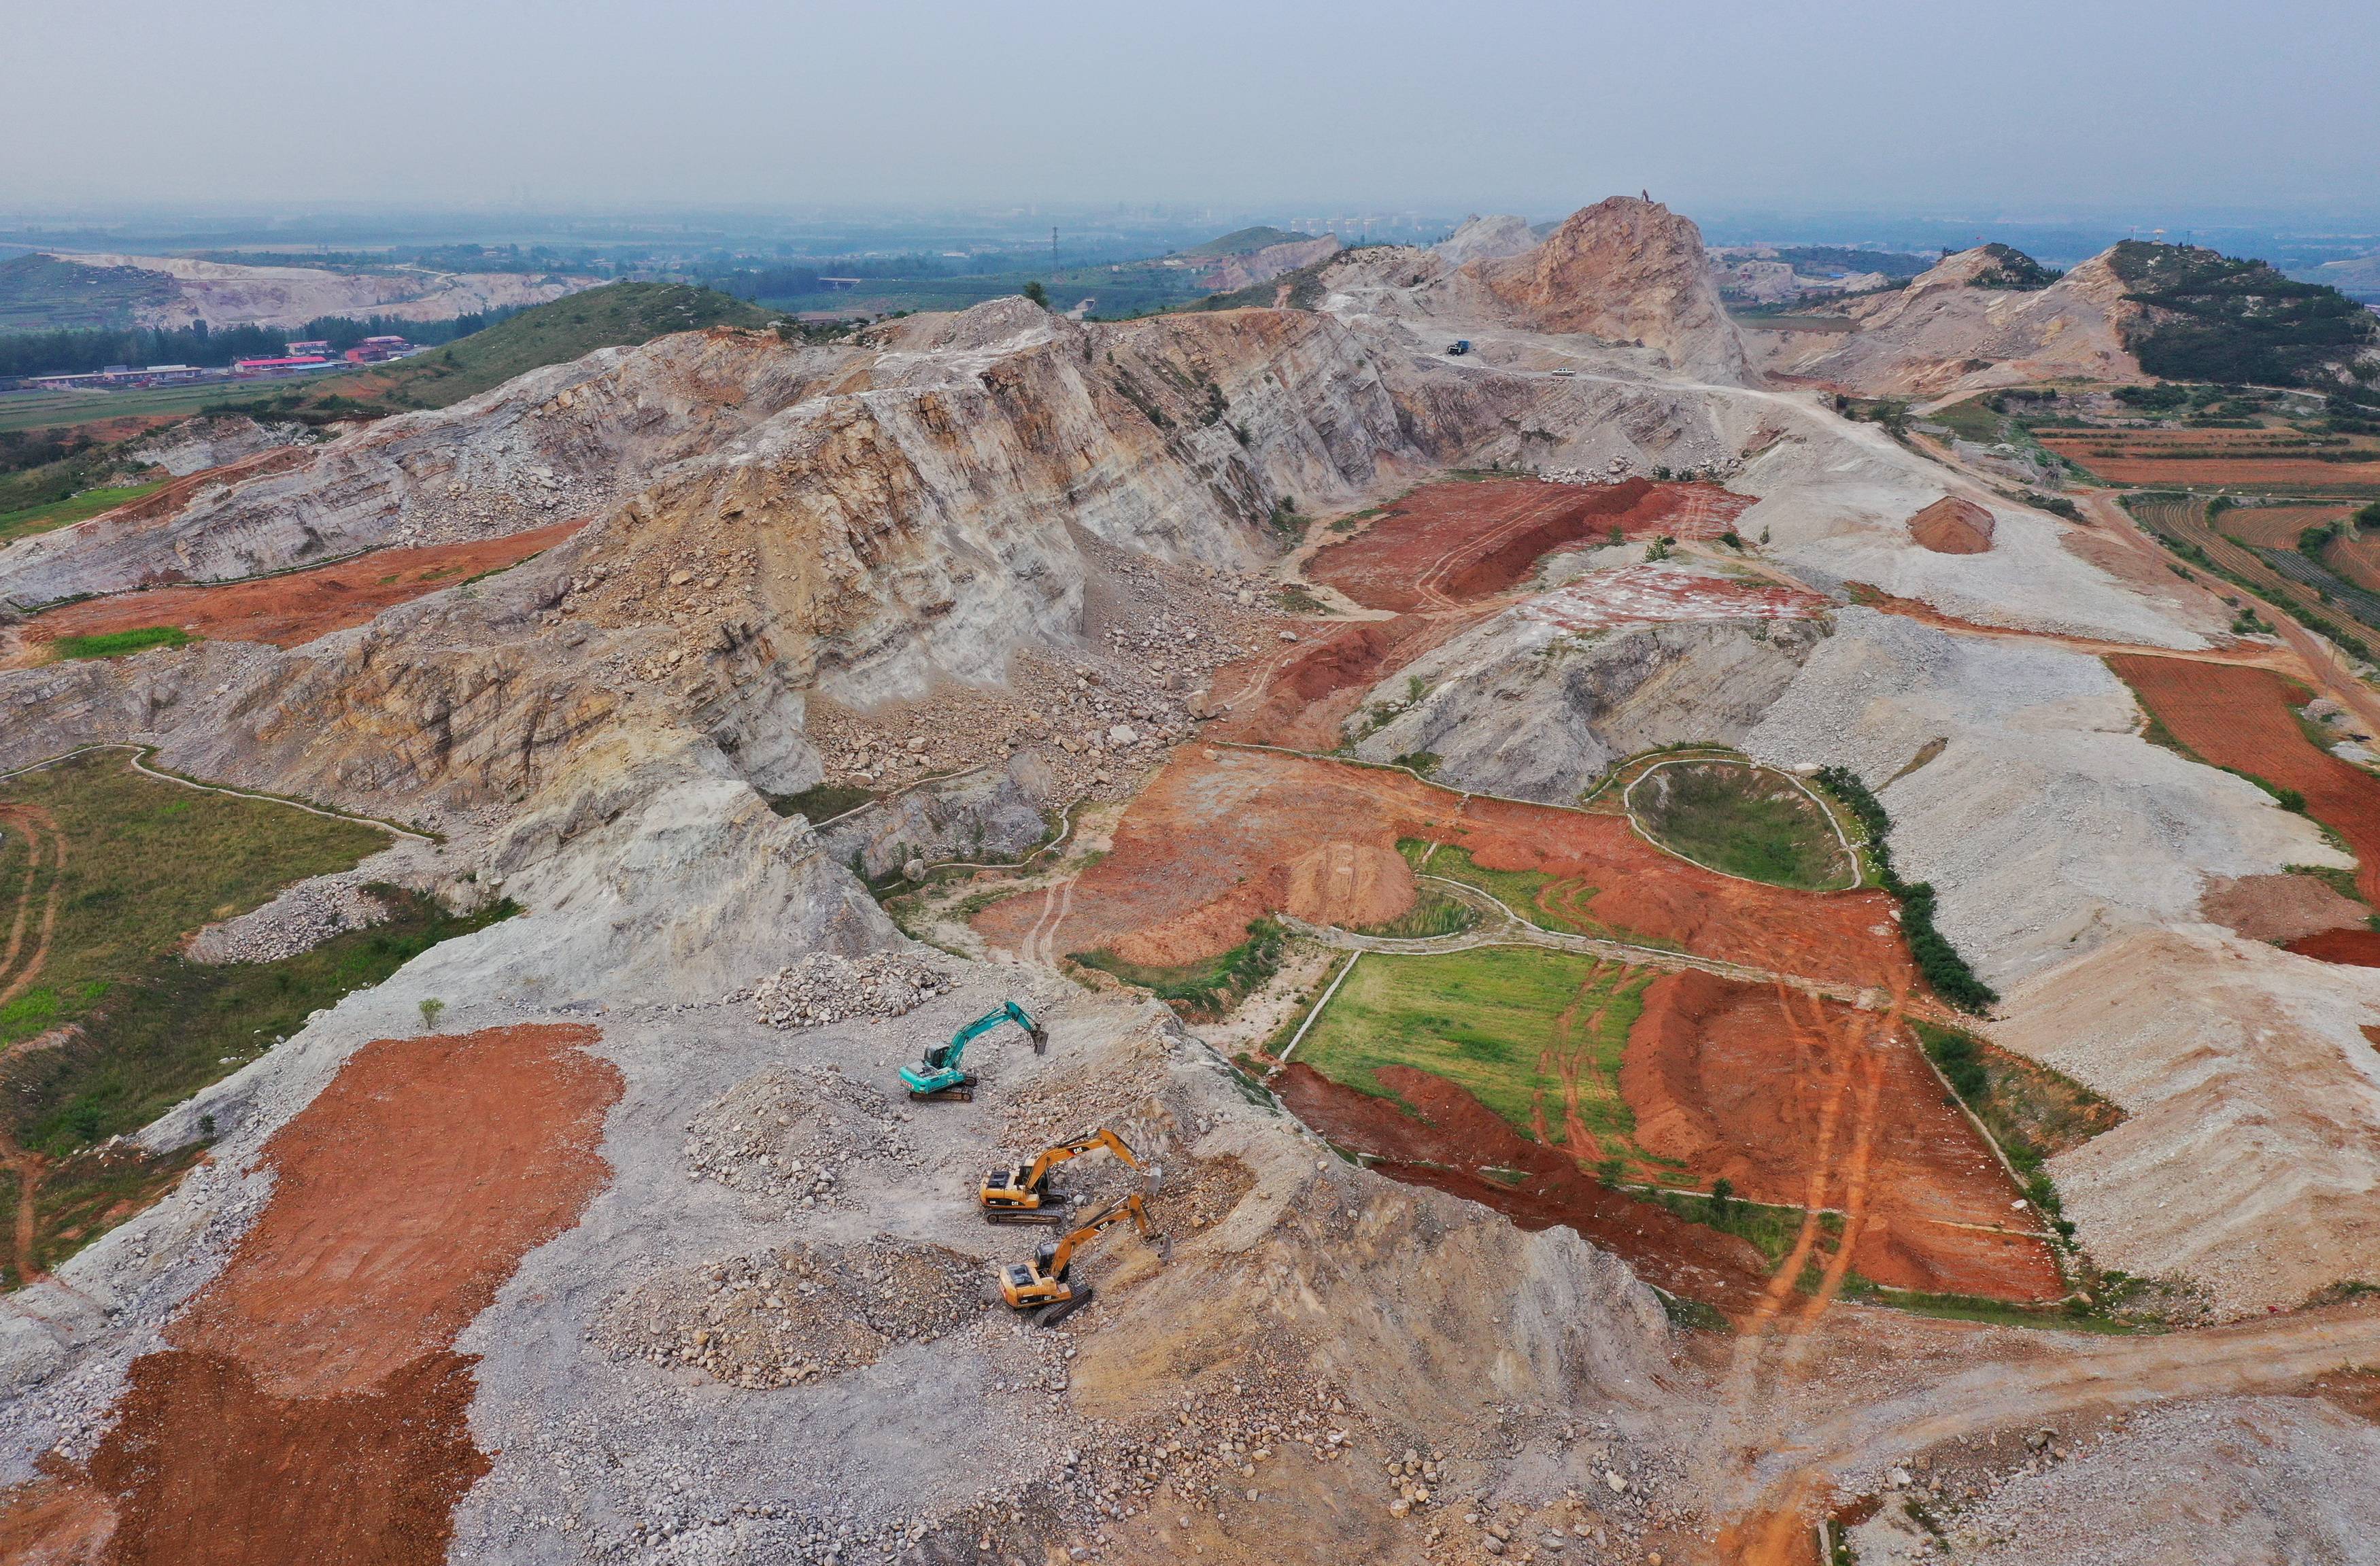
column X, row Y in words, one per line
column 1717, row 106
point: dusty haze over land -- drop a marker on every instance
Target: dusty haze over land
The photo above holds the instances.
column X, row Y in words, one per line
column 1522, row 105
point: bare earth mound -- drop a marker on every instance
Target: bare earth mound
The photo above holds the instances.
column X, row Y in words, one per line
column 2281, row 907
column 1952, row 526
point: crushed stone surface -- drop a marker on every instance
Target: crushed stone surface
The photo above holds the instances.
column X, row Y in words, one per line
column 824, row 987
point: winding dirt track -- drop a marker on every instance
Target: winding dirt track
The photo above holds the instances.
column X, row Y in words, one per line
column 1775, row 1491
column 20, row 965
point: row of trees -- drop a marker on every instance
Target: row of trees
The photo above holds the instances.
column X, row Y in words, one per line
column 80, row 352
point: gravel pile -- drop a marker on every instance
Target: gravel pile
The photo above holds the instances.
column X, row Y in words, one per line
column 801, row 1313
column 794, row 1136
column 1156, row 636
column 298, row 920
column 823, row 988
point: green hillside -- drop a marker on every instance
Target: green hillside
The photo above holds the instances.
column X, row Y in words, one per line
column 2240, row 321
column 45, row 294
column 617, row 315
column 1241, row 242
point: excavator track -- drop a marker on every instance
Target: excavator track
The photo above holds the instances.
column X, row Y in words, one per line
column 1041, row 1215
column 958, row 1093
column 1050, row 1315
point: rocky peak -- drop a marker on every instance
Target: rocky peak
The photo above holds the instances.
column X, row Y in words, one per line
column 1488, row 238
column 1627, row 271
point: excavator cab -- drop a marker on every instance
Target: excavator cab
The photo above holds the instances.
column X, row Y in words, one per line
column 1021, row 1193
column 942, row 1075
column 1042, row 1285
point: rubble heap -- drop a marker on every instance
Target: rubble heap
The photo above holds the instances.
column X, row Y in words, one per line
column 792, row 1135
column 797, row 1314
column 823, row 988
column 298, row 920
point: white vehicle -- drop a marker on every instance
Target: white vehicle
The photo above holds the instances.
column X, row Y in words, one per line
column 1565, row 372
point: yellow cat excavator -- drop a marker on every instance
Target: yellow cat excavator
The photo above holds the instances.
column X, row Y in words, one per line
column 1021, row 1193
column 1040, row 1284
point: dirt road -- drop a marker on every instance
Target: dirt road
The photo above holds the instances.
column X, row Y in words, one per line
column 1773, row 1493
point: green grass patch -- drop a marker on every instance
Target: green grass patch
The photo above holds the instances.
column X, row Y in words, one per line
column 1744, row 821
column 1202, row 991
column 1491, row 1021
column 147, row 863
column 2076, row 1317
column 820, row 802
column 120, row 644
column 170, row 1026
column 164, row 1030
column 1433, row 913
column 1517, row 890
column 31, row 519
column 1772, row 1230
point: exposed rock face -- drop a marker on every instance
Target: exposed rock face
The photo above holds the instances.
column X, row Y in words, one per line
column 556, row 442
column 1626, row 270
column 1264, row 265
column 197, row 444
column 1941, row 333
column 1952, row 526
column 1488, row 239
column 1520, row 715
column 992, row 815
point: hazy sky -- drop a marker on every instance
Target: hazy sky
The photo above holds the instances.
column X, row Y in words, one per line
column 2068, row 106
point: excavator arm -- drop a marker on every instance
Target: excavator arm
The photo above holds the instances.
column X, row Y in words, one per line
column 1020, row 1193
column 1042, row 1285
column 1066, row 1150
column 1131, row 1209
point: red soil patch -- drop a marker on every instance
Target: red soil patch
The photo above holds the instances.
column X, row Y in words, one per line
column 2276, row 907
column 2241, row 717
column 1208, row 845
column 55, row 1521
column 312, row 1407
column 1952, row 526
column 1455, row 543
column 295, row 608
column 1736, row 1080
column 2355, row 948
column 1299, row 696
column 1349, row 884
column 1452, row 1138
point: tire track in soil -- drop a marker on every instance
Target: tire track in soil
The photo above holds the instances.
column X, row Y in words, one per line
column 1042, row 943
column 1559, row 1062
column 34, row 821
column 1781, row 1535
column 28, row 1169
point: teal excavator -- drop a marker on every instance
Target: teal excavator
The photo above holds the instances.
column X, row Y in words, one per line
column 939, row 1075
